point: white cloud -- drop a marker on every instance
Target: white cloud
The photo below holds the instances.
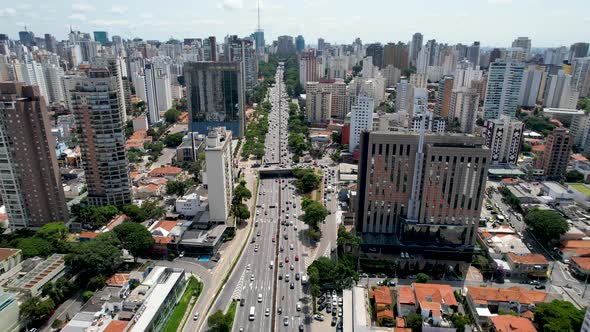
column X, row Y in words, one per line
column 82, row 7
column 24, row 6
column 462, row 14
column 78, row 17
column 211, row 22
column 146, row 15
column 232, row 5
column 109, row 23
column 5, row 12
column 500, row 1
column 118, row 9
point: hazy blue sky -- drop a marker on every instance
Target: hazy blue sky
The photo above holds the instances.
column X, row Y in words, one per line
column 493, row 22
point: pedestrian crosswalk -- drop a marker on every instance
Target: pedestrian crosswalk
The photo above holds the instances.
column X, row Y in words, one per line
column 237, row 294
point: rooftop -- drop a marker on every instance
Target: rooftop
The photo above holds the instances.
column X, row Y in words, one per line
column 434, row 293
column 581, row 187
column 582, row 262
column 42, row 270
column 509, row 323
column 7, row 252
column 564, row 111
column 483, row 295
column 405, row 295
column 116, row 326
column 118, row 279
column 535, row 259
column 579, row 157
column 163, row 171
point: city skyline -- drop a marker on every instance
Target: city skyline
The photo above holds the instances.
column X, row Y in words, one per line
column 448, row 23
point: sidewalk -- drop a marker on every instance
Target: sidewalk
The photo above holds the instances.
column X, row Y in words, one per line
column 220, row 271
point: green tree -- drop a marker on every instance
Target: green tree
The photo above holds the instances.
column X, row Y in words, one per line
column 307, row 180
column 414, row 321
column 347, row 239
column 526, row 148
column 97, row 256
column 172, row 115
column 241, row 211
column 58, row 290
column 546, row 225
column 574, row 176
column 558, row 315
column 314, row 214
column 219, row 322
column 422, row 278
column 173, row 140
column 178, row 187
column 242, row 193
column 335, row 156
column 35, row 246
column 34, row 310
column 134, row 237
column 87, row 295
column 152, row 209
column 459, row 321
column 135, row 213
column 337, row 137
column 54, row 232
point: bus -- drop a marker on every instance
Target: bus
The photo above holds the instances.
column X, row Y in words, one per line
column 252, row 313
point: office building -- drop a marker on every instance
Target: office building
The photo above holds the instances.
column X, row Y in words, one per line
column 402, row 94
column 495, row 54
column 558, row 148
column 579, row 50
column 27, row 38
column 299, row 44
column 464, row 105
column 220, row 173
column 308, row 67
column 326, row 99
column 102, row 37
column 443, row 98
column 242, row 50
column 259, row 41
column 464, row 77
column 555, row 56
column 321, row 44
column 504, row 138
column 285, row 45
column 158, row 92
column 524, row 43
column 216, row 96
column 559, row 92
column 101, row 135
column 473, row 53
column 420, row 192
column 532, row 87
column 361, row 120
column 210, row 49
column 54, row 82
column 30, row 186
column 50, row 43
column 375, row 50
column 415, row 46
column 503, row 89
column 32, row 73
column 581, row 75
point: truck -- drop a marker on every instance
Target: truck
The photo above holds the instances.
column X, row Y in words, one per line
column 252, row 313
column 303, row 279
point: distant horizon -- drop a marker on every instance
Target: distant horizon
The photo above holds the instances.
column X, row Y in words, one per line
column 495, row 23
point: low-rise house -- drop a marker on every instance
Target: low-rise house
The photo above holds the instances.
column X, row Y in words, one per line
column 573, row 248
column 137, row 140
column 406, row 301
column 171, row 173
column 509, row 323
column 486, row 302
column 436, row 303
column 381, row 299
column 559, row 193
column 527, row 265
column 163, row 232
column 192, row 144
column 500, row 241
column 580, row 266
column 148, row 191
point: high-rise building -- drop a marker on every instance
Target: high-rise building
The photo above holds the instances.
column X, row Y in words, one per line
column 473, row 53
column 299, row 44
column 402, row 94
column 259, row 40
column 504, row 138
column 215, row 95
column 53, row 78
column 285, row 45
column 326, row 99
column 102, row 37
column 579, row 50
column 415, row 46
column 27, row 38
column 158, row 91
column 443, row 99
column 532, row 88
column 559, row 92
column 375, row 50
column 308, row 67
column 30, row 185
column 464, row 77
column 495, row 54
column 361, row 120
column 321, row 44
column 210, row 49
column 524, row 43
column 391, row 75
column 558, row 148
column 50, row 43
column 581, row 75
column 101, row 135
column 464, row 104
column 220, row 173
column 580, row 132
column 116, row 68
column 503, row 89
column 242, row 50
column 420, row 192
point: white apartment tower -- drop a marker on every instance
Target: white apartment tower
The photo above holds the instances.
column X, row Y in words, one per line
column 503, row 89
column 581, row 75
column 361, row 119
column 464, row 104
column 402, row 94
column 504, row 137
column 559, row 92
column 155, row 80
column 220, row 174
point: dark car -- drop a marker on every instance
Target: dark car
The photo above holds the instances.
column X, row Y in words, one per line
column 334, row 321
column 329, row 308
column 322, row 307
column 300, row 327
column 292, row 286
column 242, row 302
column 321, row 299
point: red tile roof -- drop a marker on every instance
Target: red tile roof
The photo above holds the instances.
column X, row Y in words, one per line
column 162, row 239
column 434, row 293
column 120, row 279
column 400, row 322
column 382, row 295
column 385, row 314
column 405, row 295
column 579, row 157
column 533, row 259
column 484, row 295
column 509, row 323
column 88, row 235
column 164, row 171
column 116, row 326
column 7, row 252
column 168, row 225
column 582, row 262
column 576, row 244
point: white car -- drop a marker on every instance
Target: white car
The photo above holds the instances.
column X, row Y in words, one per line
column 196, row 316
column 259, row 297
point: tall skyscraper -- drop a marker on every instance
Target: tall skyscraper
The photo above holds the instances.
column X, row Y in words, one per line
column 210, row 49
column 30, row 184
column 242, row 50
column 215, row 95
column 361, row 120
column 375, row 50
column 285, row 45
column 524, row 43
column 495, row 54
column 473, row 53
column 220, row 173
column 101, row 135
column 308, row 67
column 321, row 44
column 464, row 104
column 443, row 99
column 580, row 132
column 415, row 46
column 581, row 75
column 27, row 38
column 258, row 36
column 503, row 89
column 50, row 43
column 326, row 99
column 558, row 148
column 559, row 92
column 579, row 50
column 115, row 67
column 299, row 44
column 102, row 37
column 420, row 192
column 532, row 86
column 402, row 94
column 157, row 86
column 504, row 137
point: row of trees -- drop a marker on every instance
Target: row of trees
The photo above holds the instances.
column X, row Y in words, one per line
column 314, row 214
column 298, row 132
column 95, row 217
column 256, row 132
column 291, row 76
column 306, row 180
column 239, row 209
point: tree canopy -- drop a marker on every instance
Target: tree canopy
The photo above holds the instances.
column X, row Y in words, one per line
column 558, row 315
column 35, row 246
column 134, row 237
column 574, row 176
column 34, row 310
column 172, row 115
column 219, row 322
column 307, row 180
column 173, row 140
column 135, row 213
column 94, row 216
column 178, row 187
column 546, row 225
column 422, row 278
column 98, row 256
